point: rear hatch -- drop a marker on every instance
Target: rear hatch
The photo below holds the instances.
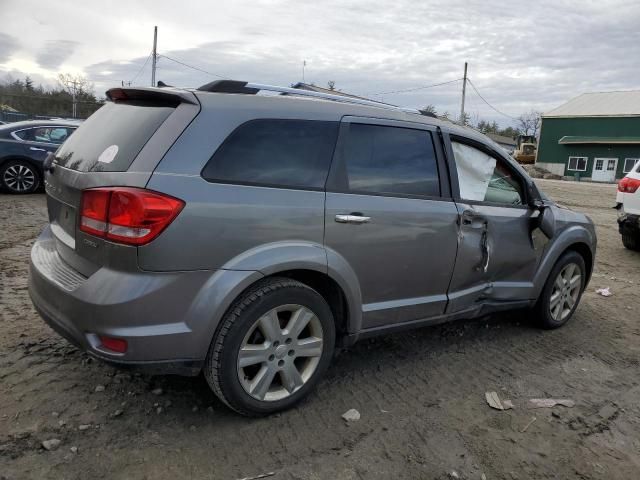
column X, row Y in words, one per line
column 119, row 145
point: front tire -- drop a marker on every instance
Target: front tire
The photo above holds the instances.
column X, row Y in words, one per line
column 562, row 292
column 271, row 348
column 18, row 177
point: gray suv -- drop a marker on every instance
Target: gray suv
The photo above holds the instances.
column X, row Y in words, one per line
column 247, row 231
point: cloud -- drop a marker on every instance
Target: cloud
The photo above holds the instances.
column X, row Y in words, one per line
column 8, row 46
column 55, row 53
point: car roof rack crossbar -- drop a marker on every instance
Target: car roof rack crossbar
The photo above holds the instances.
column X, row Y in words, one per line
column 234, row 86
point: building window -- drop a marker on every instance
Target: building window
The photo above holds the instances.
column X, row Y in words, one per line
column 578, row 164
column 629, row 163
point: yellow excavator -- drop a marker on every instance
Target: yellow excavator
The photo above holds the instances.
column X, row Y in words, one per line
column 526, row 146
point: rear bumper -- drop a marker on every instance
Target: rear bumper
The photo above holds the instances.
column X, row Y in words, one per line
column 167, row 318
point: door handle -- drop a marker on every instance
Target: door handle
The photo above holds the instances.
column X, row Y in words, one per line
column 36, row 149
column 355, row 218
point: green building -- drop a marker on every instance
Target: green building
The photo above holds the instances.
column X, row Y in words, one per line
column 595, row 136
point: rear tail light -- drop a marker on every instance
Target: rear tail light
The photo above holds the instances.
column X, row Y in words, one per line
column 133, row 216
column 117, row 345
column 628, row 185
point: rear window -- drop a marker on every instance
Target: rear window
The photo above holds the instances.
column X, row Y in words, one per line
column 111, row 138
column 274, row 152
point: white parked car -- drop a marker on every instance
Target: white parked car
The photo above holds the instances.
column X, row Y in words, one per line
column 628, row 203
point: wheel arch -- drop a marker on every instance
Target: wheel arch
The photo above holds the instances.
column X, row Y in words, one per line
column 586, row 253
column 30, row 161
column 575, row 238
column 312, row 264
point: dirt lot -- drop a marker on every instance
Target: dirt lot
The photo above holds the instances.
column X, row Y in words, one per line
column 421, row 393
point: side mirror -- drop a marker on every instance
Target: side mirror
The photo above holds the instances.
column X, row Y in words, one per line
column 47, row 165
column 547, row 221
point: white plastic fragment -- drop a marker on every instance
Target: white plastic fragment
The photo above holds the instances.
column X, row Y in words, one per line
column 262, row 475
column 550, row 402
column 605, row 292
column 351, row 415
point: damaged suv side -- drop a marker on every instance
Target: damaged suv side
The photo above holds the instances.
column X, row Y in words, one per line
column 247, row 235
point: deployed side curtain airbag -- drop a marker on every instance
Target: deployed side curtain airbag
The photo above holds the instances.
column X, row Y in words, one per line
column 475, row 169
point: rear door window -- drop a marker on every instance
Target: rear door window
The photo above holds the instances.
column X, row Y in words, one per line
column 111, row 138
column 377, row 159
column 275, row 152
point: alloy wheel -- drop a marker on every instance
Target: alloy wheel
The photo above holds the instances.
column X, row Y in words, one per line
column 280, row 352
column 565, row 293
column 19, row 178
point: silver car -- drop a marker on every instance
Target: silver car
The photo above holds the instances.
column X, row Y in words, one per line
column 247, row 231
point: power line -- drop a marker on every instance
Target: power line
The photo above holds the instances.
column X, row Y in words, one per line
column 488, row 104
column 417, row 88
column 141, row 68
column 190, row 66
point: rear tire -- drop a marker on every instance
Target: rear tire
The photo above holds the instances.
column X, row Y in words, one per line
column 631, row 238
column 19, row 177
column 562, row 291
column 280, row 333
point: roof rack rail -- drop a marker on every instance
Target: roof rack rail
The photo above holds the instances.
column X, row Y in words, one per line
column 235, row 86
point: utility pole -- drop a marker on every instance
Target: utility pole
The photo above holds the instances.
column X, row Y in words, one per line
column 304, row 64
column 74, row 98
column 154, row 56
column 464, row 90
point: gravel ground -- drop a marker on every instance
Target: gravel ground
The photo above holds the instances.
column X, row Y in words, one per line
column 421, row 394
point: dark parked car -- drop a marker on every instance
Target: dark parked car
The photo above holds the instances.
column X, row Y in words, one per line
column 23, row 149
column 245, row 236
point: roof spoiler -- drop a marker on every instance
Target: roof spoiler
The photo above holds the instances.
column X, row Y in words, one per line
column 165, row 95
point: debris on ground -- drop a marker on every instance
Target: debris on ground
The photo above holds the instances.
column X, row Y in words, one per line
column 262, row 475
column 51, row 444
column 100, row 388
column 550, row 402
column 494, row 401
column 84, row 427
column 157, row 391
column 535, row 171
column 74, row 449
column 351, row 415
column 533, row 419
column 605, row 292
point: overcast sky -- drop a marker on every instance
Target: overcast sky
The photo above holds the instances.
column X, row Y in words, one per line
column 522, row 55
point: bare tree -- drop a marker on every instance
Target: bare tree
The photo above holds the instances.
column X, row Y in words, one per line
column 528, row 123
column 77, row 86
column 331, row 85
column 428, row 110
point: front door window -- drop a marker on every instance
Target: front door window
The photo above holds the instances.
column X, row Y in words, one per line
column 485, row 178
